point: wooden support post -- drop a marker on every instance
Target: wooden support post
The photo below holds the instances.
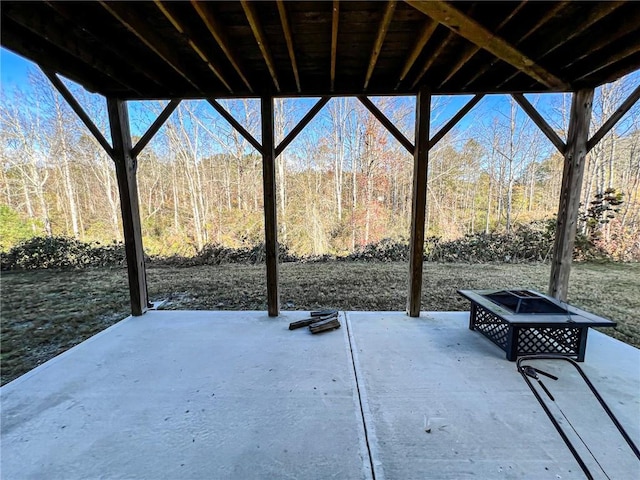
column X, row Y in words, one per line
column 126, row 168
column 270, row 217
column 418, row 209
column 574, row 160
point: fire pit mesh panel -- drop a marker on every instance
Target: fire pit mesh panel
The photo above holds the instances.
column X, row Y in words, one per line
column 545, row 339
column 491, row 326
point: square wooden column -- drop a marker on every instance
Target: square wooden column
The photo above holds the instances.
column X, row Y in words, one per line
column 126, row 170
column 419, row 203
column 270, row 213
column 574, row 160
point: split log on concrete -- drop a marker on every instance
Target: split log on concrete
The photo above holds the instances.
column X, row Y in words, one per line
column 325, row 325
column 324, row 313
column 314, row 319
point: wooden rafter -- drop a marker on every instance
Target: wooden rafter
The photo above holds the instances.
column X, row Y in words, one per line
column 77, row 108
column 601, row 10
column 218, row 34
column 286, row 29
column 69, row 13
column 632, row 49
column 454, row 120
column 468, row 28
column 189, row 37
column 426, row 33
column 377, row 46
column 473, row 49
column 258, row 33
column 540, row 122
column 313, row 111
column 140, row 28
column 548, row 16
column 38, row 21
column 388, row 124
column 626, row 28
column 614, row 118
column 235, row 124
column 335, row 16
column 432, row 58
column 154, row 127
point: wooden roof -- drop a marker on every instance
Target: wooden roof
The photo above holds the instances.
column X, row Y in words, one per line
column 139, row 50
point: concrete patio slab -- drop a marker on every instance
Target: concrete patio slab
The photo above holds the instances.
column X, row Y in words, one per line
column 446, row 404
column 236, row 395
column 189, row 395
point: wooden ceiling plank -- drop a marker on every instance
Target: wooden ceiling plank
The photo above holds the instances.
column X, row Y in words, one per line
column 544, row 19
column 388, row 124
column 286, row 29
column 540, row 122
column 65, row 41
column 601, row 10
column 618, row 56
column 433, row 57
column 614, row 118
column 77, row 108
column 455, row 119
column 468, row 28
column 69, row 12
column 475, row 49
column 426, row 33
column 258, row 33
column 154, row 127
column 189, row 36
column 335, row 16
column 313, row 111
column 235, row 124
column 377, row 46
column 220, row 37
column 138, row 27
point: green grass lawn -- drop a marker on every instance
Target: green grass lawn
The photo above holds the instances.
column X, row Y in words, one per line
column 46, row 312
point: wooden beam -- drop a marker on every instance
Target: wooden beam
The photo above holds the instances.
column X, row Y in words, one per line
column 614, row 118
column 388, row 124
column 235, row 124
column 419, row 202
column 455, row 119
column 189, row 36
column 155, row 126
column 301, row 124
column 426, row 33
column 552, row 13
column 473, row 49
column 126, row 169
column 540, row 122
column 449, row 16
column 334, row 40
column 139, row 27
column 258, row 33
column 77, row 108
column 286, row 29
column 566, row 224
column 270, row 207
column 432, row 58
column 377, row 46
column 219, row 36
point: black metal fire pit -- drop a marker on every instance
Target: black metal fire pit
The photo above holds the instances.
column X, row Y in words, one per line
column 526, row 322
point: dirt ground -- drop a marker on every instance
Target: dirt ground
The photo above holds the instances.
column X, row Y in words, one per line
column 46, row 312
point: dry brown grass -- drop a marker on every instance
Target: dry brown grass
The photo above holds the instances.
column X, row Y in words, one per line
column 46, row 312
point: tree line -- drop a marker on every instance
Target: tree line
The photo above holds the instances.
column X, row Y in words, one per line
column 343, row 183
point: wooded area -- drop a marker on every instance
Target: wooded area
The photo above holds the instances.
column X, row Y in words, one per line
column 345, row 182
